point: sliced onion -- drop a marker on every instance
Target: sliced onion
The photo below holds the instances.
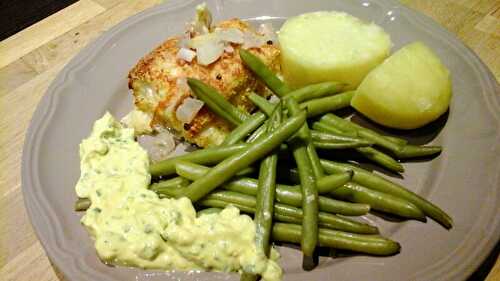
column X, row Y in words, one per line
column 209, row 53
column 186, row 54
column 184, row 40
column 202, row 21
column 182, row 148
column 252, row 40
column 200, row 29
column 232, row 35
column 159, row 147
column 267, row 30
column 188, row 109
column 228, row 49
column 203, row 16
column 209, row 48
column 182, row 84
column 139, row 121
column 201, row 40
column 274, row 99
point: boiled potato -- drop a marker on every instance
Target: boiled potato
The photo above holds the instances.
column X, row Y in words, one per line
column 330, row 46
column 408, row 90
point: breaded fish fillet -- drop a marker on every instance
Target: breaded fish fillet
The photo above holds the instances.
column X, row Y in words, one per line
column 157, row 91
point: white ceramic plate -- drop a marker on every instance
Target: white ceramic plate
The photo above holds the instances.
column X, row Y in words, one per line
column 463, row 180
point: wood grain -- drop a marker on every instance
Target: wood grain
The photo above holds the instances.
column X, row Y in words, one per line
column 31, row 59
column 42, row 32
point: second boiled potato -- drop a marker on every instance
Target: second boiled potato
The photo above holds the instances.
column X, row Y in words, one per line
column 330, row 46
column 409, row 90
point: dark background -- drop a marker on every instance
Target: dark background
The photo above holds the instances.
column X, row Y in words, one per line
column 16, row 15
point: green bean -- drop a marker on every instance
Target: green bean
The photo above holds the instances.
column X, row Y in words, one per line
column 208, row 211
column 190, row 170
column 368, row 152
column 378, row 183
column 314, row 91
column 216, row 102
column 390, row 143
column 330, row 182
column 203, row 156
column 245, row 171
column 264, row 73
column 324, row 184
column 216, row 203
column 266, row 191
column 358, row 227
column 172, row 183
column 245, row 128
column 314, row 107
column 287, row 219
column 294, row 109
column 396, row 147
column 338, row 240
column 370, row 134
column 307, row 183
column 378, row 201
column 369, row 237
column 381, row 158
column 265, row 202
column 397, row 140
column 319, row 106
column 327, row 128
column 295, row 220
column 82, row 204
column 257, row 133
column 186, row 170
column 345, row 224
column 339, row 123
column 314, row 159
column 289, row 195
column 255, row 151
column 378, row 139
column 264, row 105
column 410, row 151
column 310, row 148
column 249, row 203
column 170, row 192
column 276, row 117
column 233, row 197
column 305, row 134
column 332, row 137
column 339, row 145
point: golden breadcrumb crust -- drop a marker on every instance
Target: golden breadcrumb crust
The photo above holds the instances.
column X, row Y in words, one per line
column 156, row 91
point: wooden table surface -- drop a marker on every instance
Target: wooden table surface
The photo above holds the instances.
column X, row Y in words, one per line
column 31, row 59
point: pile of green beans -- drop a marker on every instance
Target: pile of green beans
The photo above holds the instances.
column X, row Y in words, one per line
column 266, row 193
column 289, row 195
column 312, row 211
column 234, row 163
column 307, row 175
column 378, row 183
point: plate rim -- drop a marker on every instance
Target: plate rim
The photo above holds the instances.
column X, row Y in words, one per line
column 46, row 107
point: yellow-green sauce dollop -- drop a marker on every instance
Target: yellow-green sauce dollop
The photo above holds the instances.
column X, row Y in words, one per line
column 132, row 226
